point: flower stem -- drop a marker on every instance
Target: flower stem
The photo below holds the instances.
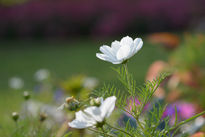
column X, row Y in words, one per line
column 120, row 130
column 128, row 78
column 103, row 130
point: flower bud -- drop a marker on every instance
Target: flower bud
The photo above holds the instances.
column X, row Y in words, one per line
column 43, row 117
column 95, row 101
column 26, row 95
column 73, row 106
column 15, row 116
column 69, row 99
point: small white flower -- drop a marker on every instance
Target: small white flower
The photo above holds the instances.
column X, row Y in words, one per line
column 93, row 115
column 96, row 101
column 16, row 83
column 42, row 74
column 120, row 51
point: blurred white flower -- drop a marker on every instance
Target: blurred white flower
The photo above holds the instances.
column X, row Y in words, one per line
column 120, row 51
column 16, row 83
column 200, row 121
column 34, row 108
column 192, row 127
column 90, row 83
column 93, row 116
column 42, row 74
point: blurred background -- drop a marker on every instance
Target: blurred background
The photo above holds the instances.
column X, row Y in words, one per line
column 45, row 45
column 37, row 19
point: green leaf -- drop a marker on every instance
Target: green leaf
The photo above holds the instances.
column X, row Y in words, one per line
column 176, row 117
column 67, row 134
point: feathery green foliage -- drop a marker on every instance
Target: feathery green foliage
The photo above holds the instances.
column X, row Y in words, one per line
column 149, row 123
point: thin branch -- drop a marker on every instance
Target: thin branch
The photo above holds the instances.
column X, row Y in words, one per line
column 187, row 120
column 128, row 78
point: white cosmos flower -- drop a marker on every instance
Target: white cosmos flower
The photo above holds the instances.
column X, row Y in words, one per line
column 120, row 51
column 93, row 115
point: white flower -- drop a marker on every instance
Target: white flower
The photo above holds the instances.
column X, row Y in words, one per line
column 16, row 83
column 42, row 74
column 33, row 108
column 120, row 51
column 93, row 115
column 96, row 101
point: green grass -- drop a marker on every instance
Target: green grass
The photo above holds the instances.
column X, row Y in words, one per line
column 63, row 59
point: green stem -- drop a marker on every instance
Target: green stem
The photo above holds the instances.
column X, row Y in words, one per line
column 128, row 78
column 143, row 129
column 103, row 130
column 147, row 99
column 15, row 132
column 120, row 130
column 128, row 112
column 130, row 91
column 187, row 120
column 174, row 133
column 100, row 132
column 140, row 125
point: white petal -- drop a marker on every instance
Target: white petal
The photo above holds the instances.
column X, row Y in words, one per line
column 108, row 106
column 95, row 113
column 101, row 100
column 115, row 46
column 61, row 107
column 126, row 41
column 81, row 116
column 117, row 62
column 138, row 44
column 132, row 51
column 106, row 58
column 123, row 52
column 79, row 124
column 107, row 51
column 82, row 120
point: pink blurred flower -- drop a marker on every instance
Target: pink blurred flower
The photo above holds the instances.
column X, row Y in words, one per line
column 133, row 104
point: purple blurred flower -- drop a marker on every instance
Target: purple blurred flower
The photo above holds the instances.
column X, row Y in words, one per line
column 58, row 95
column 184, row 110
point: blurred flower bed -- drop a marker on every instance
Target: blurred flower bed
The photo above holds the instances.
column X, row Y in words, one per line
column 187, row 64
column 41, row 104
column 47, row 18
